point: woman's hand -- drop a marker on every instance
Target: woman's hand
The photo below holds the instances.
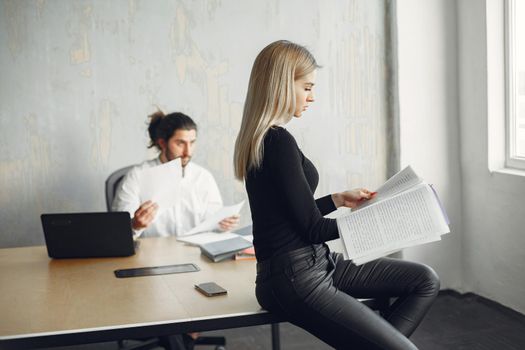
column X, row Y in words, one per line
column 352, row 198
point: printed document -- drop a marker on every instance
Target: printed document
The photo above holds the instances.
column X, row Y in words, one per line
column 212, row 222
column 405, row 212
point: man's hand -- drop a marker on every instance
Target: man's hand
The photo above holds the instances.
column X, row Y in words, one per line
column 229, row 223
column 144, row 215
column 352, row 198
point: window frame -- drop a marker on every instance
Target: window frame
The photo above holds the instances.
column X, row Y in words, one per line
column 511, row 89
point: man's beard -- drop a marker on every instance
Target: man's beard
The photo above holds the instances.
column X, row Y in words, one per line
column 184, row 161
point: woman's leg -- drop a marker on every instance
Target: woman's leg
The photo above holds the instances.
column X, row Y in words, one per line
column 414, row 285
column 309, row 299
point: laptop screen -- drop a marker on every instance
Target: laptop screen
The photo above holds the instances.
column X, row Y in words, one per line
column 88, row 235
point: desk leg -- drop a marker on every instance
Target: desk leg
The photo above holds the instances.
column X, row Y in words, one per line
column 276, row 339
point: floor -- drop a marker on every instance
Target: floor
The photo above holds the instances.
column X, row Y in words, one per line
column 455, row 322
column 461, row 322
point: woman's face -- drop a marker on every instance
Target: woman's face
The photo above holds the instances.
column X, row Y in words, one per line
column 304, row 93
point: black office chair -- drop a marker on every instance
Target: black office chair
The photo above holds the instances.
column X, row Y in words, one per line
column 174, row 342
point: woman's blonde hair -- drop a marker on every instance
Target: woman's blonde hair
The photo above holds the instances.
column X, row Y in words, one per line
column 270, row 99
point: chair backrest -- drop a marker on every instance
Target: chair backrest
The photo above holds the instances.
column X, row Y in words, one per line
column 112, row 183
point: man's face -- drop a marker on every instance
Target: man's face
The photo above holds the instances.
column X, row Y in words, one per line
column 180, row 145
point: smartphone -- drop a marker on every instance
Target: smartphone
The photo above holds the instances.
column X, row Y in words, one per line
column 156, row 270
column 210, row 289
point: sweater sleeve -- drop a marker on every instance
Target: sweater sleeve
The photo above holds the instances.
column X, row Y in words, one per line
column 283, row 158
column 325, row 204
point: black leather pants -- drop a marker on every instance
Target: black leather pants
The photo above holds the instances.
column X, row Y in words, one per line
column 317, row 290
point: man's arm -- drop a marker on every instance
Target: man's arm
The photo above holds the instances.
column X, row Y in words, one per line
column 144, row 216
column 229, row 223
column 127, row 194
column 214, row 203
column 127, row 199
column 212, row 195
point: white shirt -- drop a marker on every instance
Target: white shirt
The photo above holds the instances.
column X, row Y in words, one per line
column 200, row 197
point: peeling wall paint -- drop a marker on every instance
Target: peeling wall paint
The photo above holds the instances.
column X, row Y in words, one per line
column 80, row 77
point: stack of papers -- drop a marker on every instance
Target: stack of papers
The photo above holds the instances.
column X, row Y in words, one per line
column 246, row 254
column 405, row 212
column 219, row 246
column 210, row 237
column 224, row 249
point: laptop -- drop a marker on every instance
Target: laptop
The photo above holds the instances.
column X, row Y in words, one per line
column 88, row 235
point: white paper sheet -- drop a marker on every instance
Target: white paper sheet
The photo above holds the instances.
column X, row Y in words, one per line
column 212, row 223
column 161, row 184
column 410, row 218
column 398, row 183
column 370, row 257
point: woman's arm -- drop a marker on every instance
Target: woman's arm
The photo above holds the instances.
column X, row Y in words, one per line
column 352, row 198
column 326, row 204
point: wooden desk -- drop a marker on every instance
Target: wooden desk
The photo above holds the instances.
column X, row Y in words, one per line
column 46, row 302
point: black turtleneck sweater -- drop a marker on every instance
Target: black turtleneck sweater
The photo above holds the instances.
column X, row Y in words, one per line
column 284, row 213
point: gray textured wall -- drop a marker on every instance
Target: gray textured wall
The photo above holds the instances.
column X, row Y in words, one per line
column 78, row 79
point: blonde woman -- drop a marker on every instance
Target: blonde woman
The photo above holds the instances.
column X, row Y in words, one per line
column 297, row 275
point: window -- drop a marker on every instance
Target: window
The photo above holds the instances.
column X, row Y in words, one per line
column 515, row 84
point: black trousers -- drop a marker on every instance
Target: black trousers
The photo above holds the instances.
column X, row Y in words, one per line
column 316, row 290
